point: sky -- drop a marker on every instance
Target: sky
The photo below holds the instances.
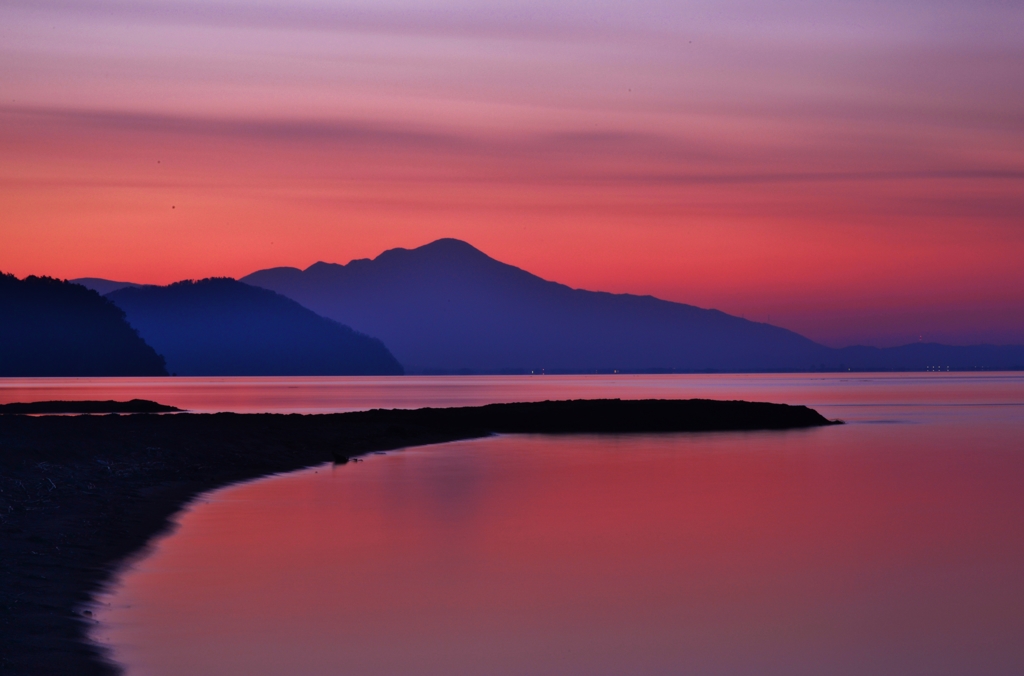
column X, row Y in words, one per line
column 852, row 170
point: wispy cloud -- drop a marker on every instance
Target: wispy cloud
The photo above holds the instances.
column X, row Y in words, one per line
column 609, row 157
column 508, row 22
column 982, row 22
column 339, row 131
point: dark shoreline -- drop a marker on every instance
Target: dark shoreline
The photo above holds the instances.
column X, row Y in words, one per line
column 81, row 494
column 73, row 407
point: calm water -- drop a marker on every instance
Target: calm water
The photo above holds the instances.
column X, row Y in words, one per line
column 336, row 394
column 891, row 545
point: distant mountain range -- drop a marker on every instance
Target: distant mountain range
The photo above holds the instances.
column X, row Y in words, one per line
column 53, row 328
column 102, row 286
column 931, row 357
column 224, row 327
column 449, row 308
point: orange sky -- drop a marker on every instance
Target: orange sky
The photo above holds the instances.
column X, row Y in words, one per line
column 853, row 175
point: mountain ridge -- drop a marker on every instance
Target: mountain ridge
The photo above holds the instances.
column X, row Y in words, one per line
column 102, row 286
column 221, row 327
column 598, row 331
column 434, row 291
column 54, row 328
column 423, row 295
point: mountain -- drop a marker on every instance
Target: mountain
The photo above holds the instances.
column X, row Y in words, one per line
column 102, row 286
column 447, row 307
column 224, row 327
column 50, row 327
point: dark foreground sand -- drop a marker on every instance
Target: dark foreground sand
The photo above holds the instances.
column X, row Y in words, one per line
column 80, row 494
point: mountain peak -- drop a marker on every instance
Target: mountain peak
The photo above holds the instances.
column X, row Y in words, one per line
column 449, row 244
column 447, row 307
column 447, row 248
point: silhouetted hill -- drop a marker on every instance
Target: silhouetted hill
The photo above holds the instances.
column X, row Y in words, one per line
column 53, row 328
column 102, row 286
column 932, row 356
column 447, row 307
column 225, row 327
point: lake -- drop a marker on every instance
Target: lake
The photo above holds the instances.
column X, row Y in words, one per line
column 340, row 394
column 890, row 545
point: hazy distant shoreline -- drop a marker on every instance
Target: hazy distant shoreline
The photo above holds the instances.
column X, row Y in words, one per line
column 80, row 494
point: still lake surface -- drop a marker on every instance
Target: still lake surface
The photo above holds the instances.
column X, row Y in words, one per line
column 890, row 545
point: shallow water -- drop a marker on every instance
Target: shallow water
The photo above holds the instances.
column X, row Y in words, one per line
column 891, row 545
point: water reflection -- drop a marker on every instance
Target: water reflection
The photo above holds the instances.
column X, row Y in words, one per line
column 881, row 549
